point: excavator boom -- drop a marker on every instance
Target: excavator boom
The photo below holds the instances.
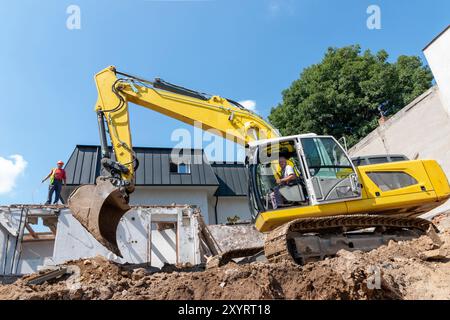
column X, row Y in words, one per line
column 218, row 115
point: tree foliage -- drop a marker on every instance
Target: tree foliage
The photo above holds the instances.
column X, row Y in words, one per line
column 341, row 95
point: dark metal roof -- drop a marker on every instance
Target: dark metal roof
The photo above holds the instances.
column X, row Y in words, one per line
column 233, row 180
column 83, row 167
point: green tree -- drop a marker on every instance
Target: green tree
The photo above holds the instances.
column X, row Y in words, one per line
column 341, row 95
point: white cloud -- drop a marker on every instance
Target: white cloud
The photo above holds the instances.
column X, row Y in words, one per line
column 274, row 7
column 10, row 170
column 277, row 7
column 249, row 104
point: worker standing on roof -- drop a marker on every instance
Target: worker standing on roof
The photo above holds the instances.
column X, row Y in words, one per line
column 57, row 178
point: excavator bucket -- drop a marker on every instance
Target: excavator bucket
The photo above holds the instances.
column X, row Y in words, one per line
column 99, row 209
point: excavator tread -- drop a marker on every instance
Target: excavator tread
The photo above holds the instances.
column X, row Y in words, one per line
column 276, row 247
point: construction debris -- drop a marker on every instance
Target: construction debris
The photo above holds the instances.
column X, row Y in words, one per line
column 400, row 270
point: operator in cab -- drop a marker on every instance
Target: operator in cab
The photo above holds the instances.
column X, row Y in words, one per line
column 284, row 178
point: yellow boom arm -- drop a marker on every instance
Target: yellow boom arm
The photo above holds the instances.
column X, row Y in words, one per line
column 217, row 114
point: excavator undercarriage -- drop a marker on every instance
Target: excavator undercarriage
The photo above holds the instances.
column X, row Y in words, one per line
column 312, row 239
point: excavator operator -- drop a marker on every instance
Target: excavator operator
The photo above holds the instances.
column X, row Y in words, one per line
column 286, row 177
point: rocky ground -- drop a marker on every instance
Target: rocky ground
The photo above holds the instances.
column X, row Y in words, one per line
column 416, row 269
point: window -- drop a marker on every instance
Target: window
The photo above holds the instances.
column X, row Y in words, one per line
column 184, row 168
column 332, row 174
column 325, row 158
column 378, row 160
column 359, row 162
column 367, row 160
column 396, row 159
column 180, row 168
column 391, row 180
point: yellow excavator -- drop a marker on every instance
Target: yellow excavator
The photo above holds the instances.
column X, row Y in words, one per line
column 327, row 204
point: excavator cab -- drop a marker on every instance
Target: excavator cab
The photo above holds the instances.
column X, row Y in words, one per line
column 324, row 173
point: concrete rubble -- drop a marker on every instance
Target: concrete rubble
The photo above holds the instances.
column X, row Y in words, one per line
column 414, row 269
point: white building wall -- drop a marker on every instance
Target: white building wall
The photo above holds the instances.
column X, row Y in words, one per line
column 11, row 227
column 233, row 206
column 419, row 131
column 438, row 57
column 7, row 251
column 189, row 195
column 35, row 254
column 137, row 240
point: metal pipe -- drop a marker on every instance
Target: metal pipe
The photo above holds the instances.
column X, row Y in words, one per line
column 102, row 132
column 215, row 209
column 22, row 231
column 6, row 255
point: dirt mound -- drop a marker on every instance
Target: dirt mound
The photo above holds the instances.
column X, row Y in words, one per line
column 415, row 269
column 101, row 279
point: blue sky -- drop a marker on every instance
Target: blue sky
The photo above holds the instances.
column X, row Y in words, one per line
column 245, row 50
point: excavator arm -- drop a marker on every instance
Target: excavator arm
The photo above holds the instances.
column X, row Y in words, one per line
column 100, row 207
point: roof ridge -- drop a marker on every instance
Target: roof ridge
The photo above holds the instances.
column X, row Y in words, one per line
column 138, row 147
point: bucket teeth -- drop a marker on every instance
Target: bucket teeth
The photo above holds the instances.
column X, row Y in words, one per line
column 99, row 209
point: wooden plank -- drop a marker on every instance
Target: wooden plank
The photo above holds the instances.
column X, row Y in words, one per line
column 31, row 231
column 53, row 274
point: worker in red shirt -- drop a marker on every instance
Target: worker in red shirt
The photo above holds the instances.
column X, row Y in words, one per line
column 57, row 178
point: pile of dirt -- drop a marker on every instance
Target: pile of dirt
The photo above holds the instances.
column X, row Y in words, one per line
column 416, row 269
